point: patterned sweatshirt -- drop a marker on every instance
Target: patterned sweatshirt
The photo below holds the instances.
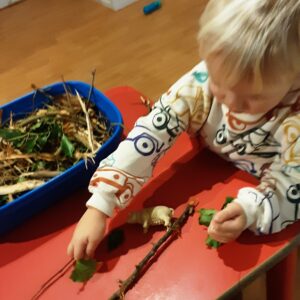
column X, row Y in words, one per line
column 265, row 145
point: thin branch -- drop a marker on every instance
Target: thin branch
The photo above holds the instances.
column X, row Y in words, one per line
column 41, row 174
column 47, row 95
column 43, row 113
column 88, row 122
column 53, row 279
column 92, row 85
column 20, row 187
column 172, row 230
column 44, row 156
column 147, row 103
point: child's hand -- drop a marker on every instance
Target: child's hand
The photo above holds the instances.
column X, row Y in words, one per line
column 88, row 234
column 228, row 223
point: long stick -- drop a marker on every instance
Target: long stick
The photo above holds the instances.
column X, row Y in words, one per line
column 173, row 229
column 60, row 273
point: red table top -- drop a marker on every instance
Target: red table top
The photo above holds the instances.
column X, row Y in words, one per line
column 185, row 269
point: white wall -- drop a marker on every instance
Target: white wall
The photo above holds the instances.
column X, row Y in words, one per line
column 4, row 3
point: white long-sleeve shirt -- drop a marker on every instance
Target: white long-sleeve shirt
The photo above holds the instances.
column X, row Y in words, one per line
column 265, row 145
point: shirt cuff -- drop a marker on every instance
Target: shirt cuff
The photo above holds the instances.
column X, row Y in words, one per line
column 249, row 199
column 102, row 203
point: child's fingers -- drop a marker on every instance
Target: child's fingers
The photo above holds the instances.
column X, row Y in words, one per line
column 79, row 249
column 231, row 225
column 70, row 250
column 222, row 238
column 226, row 214
column 90, row 248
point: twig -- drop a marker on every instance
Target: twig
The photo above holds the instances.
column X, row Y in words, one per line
column 47, row 95
column 66, row 90
column 80, row 137
column 43, row 113
column 146, row 102
column 20, row 187
column 88, row 122
column 68, row 96
column 173, row 229
column 53, row 279
column 44, row 156
column 92, row 85
column 41, row 174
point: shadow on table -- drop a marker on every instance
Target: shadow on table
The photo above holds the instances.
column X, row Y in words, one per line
column 42, row 227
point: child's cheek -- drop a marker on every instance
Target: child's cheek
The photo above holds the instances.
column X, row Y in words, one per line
column 215, row 91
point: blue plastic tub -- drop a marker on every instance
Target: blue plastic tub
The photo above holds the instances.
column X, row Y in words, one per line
column 77, row 176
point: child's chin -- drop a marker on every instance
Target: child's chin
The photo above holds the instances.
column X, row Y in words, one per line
column 248, row 112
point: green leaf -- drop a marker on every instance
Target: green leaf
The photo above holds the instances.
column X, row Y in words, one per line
column 39, row 165
column 84, row 270
column 3, row 199
column 42, row 140
column 227, row 201
column 36, row 126
column 11, row 134
column 30, row 143
column 206, row 216
column 21, row 179
column 66, row 146
column 211, row 243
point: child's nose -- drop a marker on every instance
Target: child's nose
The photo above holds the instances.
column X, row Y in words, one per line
column 234, row 103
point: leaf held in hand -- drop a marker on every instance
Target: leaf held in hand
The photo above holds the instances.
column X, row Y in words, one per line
column 211, row 243
column 227, row 201
column 84, row 270
column 206, row 216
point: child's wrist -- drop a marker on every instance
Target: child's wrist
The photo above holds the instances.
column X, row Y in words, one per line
column 103, row 202
column 97, row 212
column 247, row 199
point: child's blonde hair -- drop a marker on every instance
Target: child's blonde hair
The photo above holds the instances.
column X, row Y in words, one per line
column 255, row 39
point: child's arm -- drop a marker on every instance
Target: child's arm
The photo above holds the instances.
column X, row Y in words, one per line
column 122, row 174
column 274, row 204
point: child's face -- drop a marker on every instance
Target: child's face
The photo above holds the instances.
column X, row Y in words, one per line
column 242, row 98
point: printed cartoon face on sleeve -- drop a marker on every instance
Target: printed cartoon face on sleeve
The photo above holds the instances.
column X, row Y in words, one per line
column 293, row 196
column 146, row 144
column 165, row 119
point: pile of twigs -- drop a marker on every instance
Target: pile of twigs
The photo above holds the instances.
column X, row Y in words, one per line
column 48, row 141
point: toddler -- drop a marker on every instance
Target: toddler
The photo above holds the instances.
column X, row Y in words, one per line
column 243, row 99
